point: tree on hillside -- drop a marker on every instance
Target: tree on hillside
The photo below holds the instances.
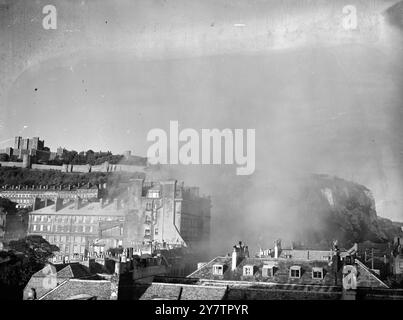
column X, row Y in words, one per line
column 4, row 157
column 25, row 257
column 7, row 206
column 34, row 247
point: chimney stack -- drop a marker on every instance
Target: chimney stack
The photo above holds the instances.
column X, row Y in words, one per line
column 77, row 203
column 276, row 249
column 36, row 204
column 58, row 204
column 234, row 259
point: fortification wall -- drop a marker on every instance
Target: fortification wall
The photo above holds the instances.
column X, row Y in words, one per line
column 11, row 164
column 46, row 167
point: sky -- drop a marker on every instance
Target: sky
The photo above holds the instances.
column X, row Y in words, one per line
column 321, row 98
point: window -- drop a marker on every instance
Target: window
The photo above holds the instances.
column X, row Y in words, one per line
column 248, row 270
column 267, row 271
column 34, row 227
column 48, row 228
column 41, row 227
column 156, row 231
column 218, row 269
column 153, row 194
column 317, row 273
column 401, row 264
column 295, row 272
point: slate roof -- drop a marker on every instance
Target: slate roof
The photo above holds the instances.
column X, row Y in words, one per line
column 63, row 272
column 173, row 291
column 87, row 209
column 74, row 288
column 76, row 271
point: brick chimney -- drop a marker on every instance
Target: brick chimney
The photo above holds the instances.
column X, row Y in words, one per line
column 277, row 248
column 234, row 259
column 237, row 255
column 77, row 203
column 58, row 204
column 36, row 204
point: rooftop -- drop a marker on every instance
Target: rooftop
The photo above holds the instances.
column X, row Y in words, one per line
column 281, row 272
column 87, row 209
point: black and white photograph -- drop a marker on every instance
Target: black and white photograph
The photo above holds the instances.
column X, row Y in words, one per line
column 208, row 150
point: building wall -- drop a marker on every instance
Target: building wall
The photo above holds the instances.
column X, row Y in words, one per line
column 150, row 214
column 46, row 167
column 73, row 232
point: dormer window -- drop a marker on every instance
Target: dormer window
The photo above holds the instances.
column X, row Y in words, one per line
column 295, row 272
column 317, row 273
column 218, row 269
column 248, row 271
column 268, row 270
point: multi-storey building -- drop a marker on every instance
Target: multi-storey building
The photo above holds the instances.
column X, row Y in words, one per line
column 149, row 216
column 74, row 226
column 165, row 212
column 26, row 196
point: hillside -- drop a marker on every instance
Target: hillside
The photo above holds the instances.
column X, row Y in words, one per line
column 340, row 209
